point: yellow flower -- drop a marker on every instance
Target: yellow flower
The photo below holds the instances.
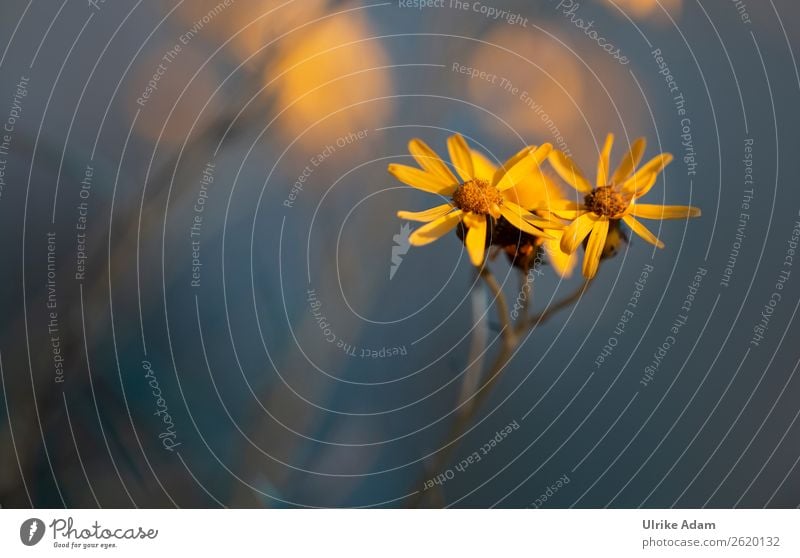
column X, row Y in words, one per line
column 615, row 197
column 475, row 199
column 536, row 192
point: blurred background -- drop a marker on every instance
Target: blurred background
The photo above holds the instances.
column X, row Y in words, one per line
column 200, row 302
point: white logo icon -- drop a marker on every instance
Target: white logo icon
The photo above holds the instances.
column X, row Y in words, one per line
column 400, row 248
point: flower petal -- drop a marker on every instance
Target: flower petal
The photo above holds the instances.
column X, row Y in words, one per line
column 594, row 248
column 518, row 156
column 472, row 219
column 536, row 191
column 568, row 214
column 523, row 167
column 652, row 211
column 482, row 166
column 430, row 161
column 541, row 153
column 643, row 175
column 657, row 163
column 562, row 263
column 461, row 157
column 604, row 161
column 476, row 241
column 561, row 208
column 435, row 229
column 514, row 171
column 531, row 218
column 525, row 195
column 422, row 180
column 577, row 231
column 515, row 215
column 569, row 171
column 561, row 205
column 642, row 231
column 638, row 185
column 629, row 162
column 428, row 215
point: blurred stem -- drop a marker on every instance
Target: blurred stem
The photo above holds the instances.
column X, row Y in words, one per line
column 552, row 310
column 466, row 413
column 509, row 336
column 503, row 315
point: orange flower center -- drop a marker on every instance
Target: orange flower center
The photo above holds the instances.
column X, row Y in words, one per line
column 607, row 200
column 478, row 196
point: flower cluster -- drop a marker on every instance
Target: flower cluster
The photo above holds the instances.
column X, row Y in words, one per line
column 519, row 209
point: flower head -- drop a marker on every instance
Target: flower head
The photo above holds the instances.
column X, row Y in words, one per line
column 536, row 192
column 477, row 198
column 614, row 198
